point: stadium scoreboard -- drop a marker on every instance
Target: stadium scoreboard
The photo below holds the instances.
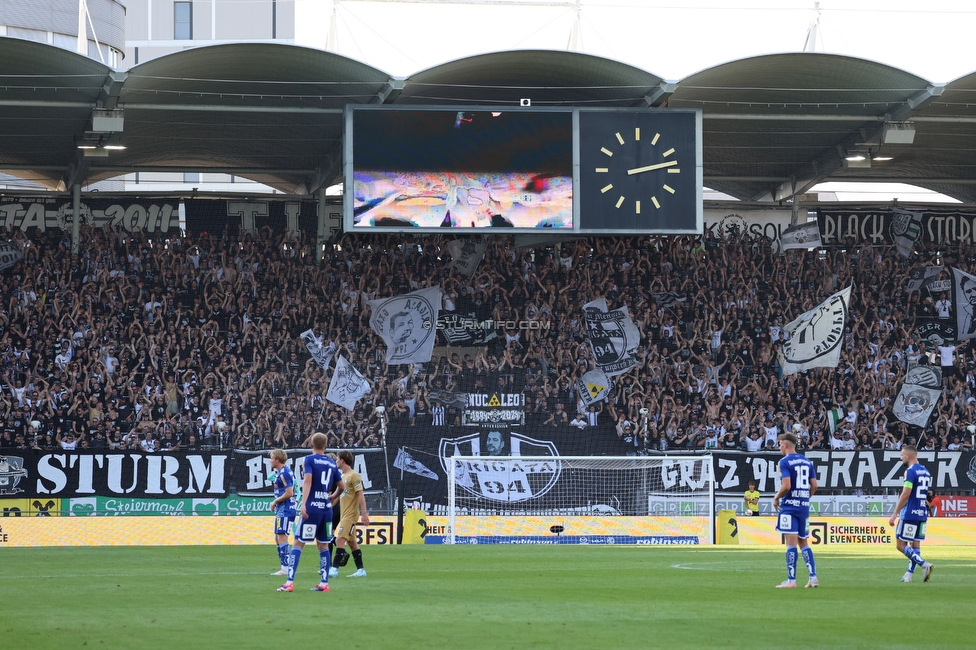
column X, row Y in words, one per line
column 522, row 170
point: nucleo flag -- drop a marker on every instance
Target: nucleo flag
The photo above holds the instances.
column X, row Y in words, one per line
column 347, row 385
column 814, row 339
column 407, row 324
column 613, row 337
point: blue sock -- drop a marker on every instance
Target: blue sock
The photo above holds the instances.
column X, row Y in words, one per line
column 912, row 554
column 284, row 550
column 325, row 562
column 791, row 563
column 808, row 558
column 911, row 566
column 294, row 557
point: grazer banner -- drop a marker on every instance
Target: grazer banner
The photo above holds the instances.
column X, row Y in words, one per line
column 845, row 470
column 119, row 474
column 252, row 469
column 882, row 226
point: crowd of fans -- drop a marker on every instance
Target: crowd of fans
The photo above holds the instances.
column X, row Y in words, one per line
column 151, row 343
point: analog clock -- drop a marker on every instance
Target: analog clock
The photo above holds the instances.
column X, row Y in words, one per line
column 639, row 169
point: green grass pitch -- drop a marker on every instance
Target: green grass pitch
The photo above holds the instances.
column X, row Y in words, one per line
column 482, row 597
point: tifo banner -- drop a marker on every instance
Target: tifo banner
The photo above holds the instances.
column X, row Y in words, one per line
column 857, row 532
column 840, row 226
column 252, row 215
column 150, row 215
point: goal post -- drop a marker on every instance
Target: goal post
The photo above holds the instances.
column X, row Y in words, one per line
column 640, row 500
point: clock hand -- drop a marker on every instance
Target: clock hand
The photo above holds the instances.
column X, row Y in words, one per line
column 638, row 170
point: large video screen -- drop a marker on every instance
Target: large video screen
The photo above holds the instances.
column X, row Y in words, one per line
column 461, row 169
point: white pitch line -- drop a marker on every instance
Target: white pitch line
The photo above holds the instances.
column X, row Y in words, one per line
column 7, row 576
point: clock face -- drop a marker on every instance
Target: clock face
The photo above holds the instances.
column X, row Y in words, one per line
column 638, row 170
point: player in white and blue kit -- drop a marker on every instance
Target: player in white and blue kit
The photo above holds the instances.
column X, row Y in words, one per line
column 283, row 506
column 912, row 512
column 321, row 487
column 798, row 482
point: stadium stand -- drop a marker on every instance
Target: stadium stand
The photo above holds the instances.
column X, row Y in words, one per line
column 140, row 342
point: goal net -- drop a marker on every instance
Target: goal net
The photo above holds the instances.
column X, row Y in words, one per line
column 644, row 500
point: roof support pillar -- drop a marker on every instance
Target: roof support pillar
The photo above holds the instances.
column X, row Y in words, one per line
column 321, row 211
column 75, row 218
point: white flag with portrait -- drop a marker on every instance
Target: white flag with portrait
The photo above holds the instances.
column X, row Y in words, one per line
column 964, row 303
column 613, row 337
column 466, row 255
column 814, row 340
column 348, row 386
column 918, row 395
column 321, row 353
column 407, row 324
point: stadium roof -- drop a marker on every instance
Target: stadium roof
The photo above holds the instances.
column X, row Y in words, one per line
column 774, row 125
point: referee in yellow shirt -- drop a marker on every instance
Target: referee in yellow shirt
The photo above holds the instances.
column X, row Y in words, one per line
column 751, row 497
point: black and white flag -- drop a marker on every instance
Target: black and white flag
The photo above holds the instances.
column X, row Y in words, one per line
column 9, row 255
column 964, row 303
column 407, row 324
column 921, row 278
column 408, row 463
column 665, row 299
column 347, row 385
column 804, row 235
column 448, row 398
column 593, row 387
column 814, row 340
column 466, row 255
column 321, row 353
column 613, row 337
column 918, row 395
column 906, row 228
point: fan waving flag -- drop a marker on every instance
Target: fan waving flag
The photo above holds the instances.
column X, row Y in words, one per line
column 964, row 303
column 9, row 255
column 918, row 395
column 348, row 386
column 408, row 463
column 407, row 324
column 321, row 353
column 906, row 229
column 613, row 337
column 804, row 235
column 814, row 339
column 467, row 254
column 593, row 387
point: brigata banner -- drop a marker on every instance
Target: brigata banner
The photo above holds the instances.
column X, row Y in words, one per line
column 252, row 469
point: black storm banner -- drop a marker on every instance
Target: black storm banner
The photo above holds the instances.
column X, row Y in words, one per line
column 252, row 469
column 880, row 226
